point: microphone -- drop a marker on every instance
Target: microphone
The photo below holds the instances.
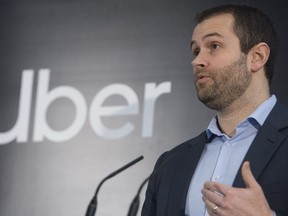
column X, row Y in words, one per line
column 134, row 206
column 135, row 203
column 93, row 203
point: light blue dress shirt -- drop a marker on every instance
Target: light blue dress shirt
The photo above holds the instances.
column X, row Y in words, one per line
column 222, row 157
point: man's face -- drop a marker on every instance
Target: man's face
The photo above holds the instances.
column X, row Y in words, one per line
column 220, row 68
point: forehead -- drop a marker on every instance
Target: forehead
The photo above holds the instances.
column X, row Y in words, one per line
column 216, row 25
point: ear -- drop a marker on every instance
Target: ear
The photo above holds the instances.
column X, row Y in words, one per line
column 259, row 56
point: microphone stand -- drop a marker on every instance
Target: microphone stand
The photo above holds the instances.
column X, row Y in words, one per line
column 91, row 210
column 135, row 203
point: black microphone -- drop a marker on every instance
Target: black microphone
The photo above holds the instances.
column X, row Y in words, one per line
column 135, row 203
column 134, row 206
column 93, row 203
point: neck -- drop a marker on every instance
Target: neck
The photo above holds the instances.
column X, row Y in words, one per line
column 239, row 110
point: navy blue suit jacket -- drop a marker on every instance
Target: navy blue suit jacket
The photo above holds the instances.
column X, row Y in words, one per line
column 268, row 155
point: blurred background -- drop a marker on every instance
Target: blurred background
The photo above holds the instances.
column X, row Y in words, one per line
column 87, row 86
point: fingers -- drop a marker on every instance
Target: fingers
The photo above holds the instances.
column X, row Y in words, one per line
column 212, row 200
column 222, row 199
column 212, row 208
column 211, row 194
column 247, row 175
column 216, row 187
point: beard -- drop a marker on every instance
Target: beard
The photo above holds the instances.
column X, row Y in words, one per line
column 229, row 83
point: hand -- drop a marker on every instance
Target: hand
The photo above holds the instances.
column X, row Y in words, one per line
column 223, row 200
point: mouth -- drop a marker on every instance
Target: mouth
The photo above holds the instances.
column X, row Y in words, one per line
column 200, row 78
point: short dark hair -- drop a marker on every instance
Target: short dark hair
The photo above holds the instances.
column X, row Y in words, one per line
column 251, row 26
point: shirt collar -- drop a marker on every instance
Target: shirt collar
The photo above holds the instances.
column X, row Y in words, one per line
column 257, row 118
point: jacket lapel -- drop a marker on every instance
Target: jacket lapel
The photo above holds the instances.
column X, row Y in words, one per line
column 185, row 168
column 266, row 143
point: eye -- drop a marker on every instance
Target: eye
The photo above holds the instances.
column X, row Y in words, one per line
column 215, row 46
column 195, row 51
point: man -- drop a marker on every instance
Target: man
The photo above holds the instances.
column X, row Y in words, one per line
column 234, row 50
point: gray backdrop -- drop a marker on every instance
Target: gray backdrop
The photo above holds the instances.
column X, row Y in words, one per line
column 86, row 87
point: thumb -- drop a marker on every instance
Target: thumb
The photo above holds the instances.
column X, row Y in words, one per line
column 247, row 175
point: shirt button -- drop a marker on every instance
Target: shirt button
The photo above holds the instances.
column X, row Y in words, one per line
column 228, row 144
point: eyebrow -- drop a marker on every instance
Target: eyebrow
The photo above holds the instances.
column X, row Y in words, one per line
column 212, row 34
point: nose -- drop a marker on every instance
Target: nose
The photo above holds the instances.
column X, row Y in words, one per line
column 199, row 62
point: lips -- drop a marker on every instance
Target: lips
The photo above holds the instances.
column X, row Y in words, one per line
column 200, row 77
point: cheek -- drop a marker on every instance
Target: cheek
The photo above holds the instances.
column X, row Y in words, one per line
column 249, row 65
column 218, row 63
column 225, row 59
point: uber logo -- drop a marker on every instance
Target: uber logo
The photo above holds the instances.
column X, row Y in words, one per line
column 44, row 97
